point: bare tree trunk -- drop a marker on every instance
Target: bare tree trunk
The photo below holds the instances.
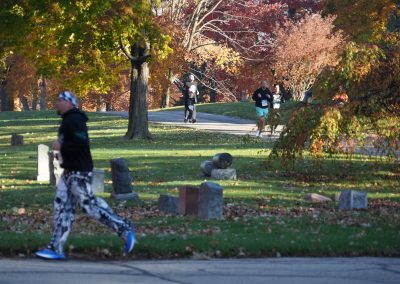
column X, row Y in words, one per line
column 3, row 99
column 34, row 99
column 167, row 95
column 7, row 102
column 43, row 93
column 138, row 127
column 24, row 102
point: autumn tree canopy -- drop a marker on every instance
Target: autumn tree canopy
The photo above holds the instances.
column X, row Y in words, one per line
column 367, row 77
column 303, row 49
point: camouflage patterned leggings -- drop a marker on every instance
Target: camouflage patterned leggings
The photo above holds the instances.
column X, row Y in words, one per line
column 73, row 188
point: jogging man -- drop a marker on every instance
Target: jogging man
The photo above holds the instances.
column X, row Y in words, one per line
column 190, row 96
column 263, row 98
column 75, row 185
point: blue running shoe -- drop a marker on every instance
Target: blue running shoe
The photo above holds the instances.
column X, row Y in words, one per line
column 49, row 254
column 130, row 241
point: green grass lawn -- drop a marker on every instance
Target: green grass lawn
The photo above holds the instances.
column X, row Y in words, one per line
column 265, row 213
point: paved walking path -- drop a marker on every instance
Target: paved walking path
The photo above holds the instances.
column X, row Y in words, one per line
column 237, row 126
column 209, row 122
column 363, row 270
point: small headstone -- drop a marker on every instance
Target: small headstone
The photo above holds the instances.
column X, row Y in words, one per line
column 313, row 197
column 337, row 196
column 98, row 181
column 207, row 167
column 210, row 201
column 351, row 199
column 222, row 160
column 188, row 198
column 220, row 174
column 17, row 140
column 121, row 180
column 168, row 203
column 43, row 163
column 55, row 168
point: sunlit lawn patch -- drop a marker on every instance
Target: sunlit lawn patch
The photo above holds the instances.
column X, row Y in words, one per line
column 265, row 213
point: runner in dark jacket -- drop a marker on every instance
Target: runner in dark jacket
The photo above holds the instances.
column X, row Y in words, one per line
column 263, row 98
column 73, row 136
column 75, row 185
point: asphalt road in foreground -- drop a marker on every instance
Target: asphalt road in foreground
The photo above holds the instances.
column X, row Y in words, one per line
column 363, row 270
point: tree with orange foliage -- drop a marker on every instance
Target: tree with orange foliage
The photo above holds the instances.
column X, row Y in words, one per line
column 370, row 72
column 303, row 49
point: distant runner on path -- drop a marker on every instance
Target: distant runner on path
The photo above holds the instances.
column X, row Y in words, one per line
column 263, row 98
column 190, row 92
column 190, row 96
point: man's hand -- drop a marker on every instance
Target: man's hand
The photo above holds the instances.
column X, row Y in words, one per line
column 259, row 95
column 56, row 145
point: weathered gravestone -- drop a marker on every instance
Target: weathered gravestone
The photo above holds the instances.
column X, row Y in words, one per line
column 351, row 199
column 224, row 174
column 210, row 201
column 314, row 197
column 222, row 160
column 121, row 180
column 188, row 198
column 55, row 167
column 43, row 163
column 17, row 140
column 98, row 181
column 168, row 203
column 207, row 167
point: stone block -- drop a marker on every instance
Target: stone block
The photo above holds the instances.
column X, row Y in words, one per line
column 121, row 178
column 168, row 203
column 188, row 198
column 222, row 160
column 351, row 199
column 98, row 181
column 55, row 168
column 210, row 201
column 314, row 197
column 224, row 174
column 43, row 163
column 17, row 140
column 207, row 167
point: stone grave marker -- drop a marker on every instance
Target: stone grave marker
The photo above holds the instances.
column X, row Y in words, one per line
column 210, row 201
column 17, row 140
column 222, row 160
column 55, row 168
column 188, row 198
column 121, row 180
column 98, row 181
column 168, row 203
column 43, row 163
column 351, row 199
column 207, row 167
column 224, row 174
column 314, row 197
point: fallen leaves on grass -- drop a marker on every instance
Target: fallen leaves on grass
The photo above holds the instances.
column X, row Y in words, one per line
column 41, row 220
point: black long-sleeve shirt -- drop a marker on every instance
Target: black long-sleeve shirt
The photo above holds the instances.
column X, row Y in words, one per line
column 266, row 97
column 74, row 139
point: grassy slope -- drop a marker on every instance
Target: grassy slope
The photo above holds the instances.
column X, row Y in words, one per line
column 264, row 212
